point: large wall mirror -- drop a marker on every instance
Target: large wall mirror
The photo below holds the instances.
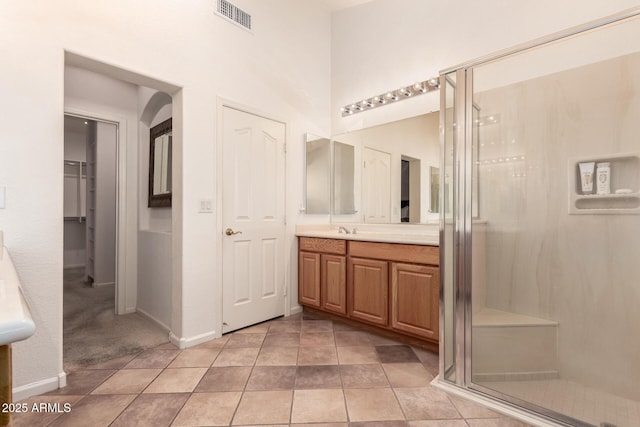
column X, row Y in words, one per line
column 160, row 165
column 394, row 175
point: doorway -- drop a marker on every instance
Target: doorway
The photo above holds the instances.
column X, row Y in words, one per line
column 410, row 203
column 253, row 247
column 90, row 166
column 90, row 238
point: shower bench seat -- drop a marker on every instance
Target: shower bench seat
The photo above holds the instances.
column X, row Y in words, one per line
column 511, row 346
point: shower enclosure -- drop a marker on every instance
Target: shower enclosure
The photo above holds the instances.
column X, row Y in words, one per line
column 540, row 301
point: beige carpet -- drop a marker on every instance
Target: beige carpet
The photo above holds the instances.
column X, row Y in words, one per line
column 92, row 331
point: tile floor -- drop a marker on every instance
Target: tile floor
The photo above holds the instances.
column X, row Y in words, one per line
column 287, row 371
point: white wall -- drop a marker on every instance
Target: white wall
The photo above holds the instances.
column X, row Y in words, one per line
column 74, row 232
column 154, row 276
column 155, row 219
column 281, row 68
column 154, row 236
column 385, row 44
column 75, row 146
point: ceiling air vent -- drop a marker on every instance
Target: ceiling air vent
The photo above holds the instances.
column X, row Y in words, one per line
column 234, row 14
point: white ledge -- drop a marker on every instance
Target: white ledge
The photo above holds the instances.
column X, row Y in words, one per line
column 385, row 233
column 16, row 323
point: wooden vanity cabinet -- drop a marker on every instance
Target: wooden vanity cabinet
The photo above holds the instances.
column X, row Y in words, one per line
column 322, row 274
column 391, row 286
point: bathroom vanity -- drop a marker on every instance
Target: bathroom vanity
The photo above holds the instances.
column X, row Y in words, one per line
column 379, row 285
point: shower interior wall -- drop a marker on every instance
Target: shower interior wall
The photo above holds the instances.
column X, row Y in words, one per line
column 578, row 270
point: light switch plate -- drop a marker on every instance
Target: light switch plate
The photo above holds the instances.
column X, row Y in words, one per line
column 2, row 197
column 206, row 206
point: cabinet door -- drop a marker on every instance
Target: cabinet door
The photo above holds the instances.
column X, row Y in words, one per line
column 309, row 279
column 334, row 283
column 414, row 299
column 368, row 285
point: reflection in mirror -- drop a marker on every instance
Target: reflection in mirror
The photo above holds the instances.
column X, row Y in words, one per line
column 435, row 189
column 379, row 153
column 410, row 193
column 318, row 174
column 160, row 165
column 343, row 179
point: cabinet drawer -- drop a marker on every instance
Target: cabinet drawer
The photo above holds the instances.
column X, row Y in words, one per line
column 327, row 246
column 417, row 254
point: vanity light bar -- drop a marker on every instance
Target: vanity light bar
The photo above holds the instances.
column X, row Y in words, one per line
column 404, row 92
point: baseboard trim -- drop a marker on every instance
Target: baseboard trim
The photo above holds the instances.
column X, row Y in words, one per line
column 70, row 266
column 183, row 343
column 39, row 387
column 295, row 310
column 97, row 285
column 153, row 319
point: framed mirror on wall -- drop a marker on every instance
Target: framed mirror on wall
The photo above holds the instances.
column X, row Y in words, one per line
column 160, row 165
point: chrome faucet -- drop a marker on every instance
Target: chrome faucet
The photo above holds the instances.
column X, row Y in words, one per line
column 343, row 230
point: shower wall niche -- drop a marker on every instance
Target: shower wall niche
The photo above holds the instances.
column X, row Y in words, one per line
column 624, row 197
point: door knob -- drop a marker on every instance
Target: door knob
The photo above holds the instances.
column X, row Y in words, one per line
column 230, row 232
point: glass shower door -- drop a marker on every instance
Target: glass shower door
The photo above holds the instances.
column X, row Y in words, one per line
column 448, row 179
column 554, row 323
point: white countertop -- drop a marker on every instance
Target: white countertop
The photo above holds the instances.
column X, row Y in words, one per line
column 16, row 323
column 413, row 234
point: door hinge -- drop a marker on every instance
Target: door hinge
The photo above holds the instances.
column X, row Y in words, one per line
column 285, row 220
column 284, row 147
column 284, row 290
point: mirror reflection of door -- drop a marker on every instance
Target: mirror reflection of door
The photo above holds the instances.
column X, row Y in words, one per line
column 376, row 186
column 435, row 189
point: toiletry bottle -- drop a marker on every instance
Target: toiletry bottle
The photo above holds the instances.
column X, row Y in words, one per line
column 603, row 174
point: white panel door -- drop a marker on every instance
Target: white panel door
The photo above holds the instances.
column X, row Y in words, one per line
column 376, row 185
column 253, row 228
